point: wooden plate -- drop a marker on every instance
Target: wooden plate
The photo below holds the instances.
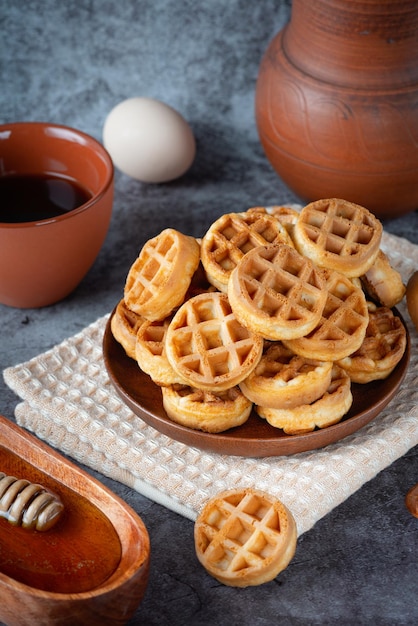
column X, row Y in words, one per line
column 255, row 438
column 91, row 567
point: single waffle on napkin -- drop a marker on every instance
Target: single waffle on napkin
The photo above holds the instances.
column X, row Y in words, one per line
column 69, row 401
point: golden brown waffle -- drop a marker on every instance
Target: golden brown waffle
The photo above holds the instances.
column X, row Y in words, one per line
column 283, row 380
column 277, row 293
column 383, row 283
column 124, row 326
column 284, row 213
column 245, row 537
column 328, row 410
column 208, row 347
column 205, row 410
column 150, row 353
column 343, row 324
column 338, row 235
column 161, row 275
column 382, row 348
column 287, row 215
column 232, row 236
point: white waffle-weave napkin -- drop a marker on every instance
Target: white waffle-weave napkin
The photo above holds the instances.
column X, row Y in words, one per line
column 69, row 402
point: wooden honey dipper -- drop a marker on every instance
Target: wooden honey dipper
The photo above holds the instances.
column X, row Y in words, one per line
column 28, row 504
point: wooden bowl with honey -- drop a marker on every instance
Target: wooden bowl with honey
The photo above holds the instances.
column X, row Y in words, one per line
column 89, row 566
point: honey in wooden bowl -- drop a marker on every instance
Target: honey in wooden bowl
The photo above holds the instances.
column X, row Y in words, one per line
column 68, row 558
column 90, row 567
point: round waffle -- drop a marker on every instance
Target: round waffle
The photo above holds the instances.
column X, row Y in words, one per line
column 208, row 347
column 276, row 292
column 328, row 410
column 287, row 215
column 124, row 326
column 343, row 324
column 232, row 236
column 205, row 410
column 338, row 235
column 161, row 275
column 284, row 213
column 150, row 353
column 383, row 283
column 245, row 537
column 382, row 348
column 283, row 380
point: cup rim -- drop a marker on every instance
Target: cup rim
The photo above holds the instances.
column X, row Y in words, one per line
column 83, row 207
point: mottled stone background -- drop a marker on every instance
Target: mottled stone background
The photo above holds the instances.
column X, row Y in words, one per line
column 70, row 62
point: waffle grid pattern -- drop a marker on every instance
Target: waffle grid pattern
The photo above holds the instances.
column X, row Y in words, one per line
column 125, row 326
column 204, row 340
column 282, row 364
column 239, row 534
column 343, row 324
column 387, row 329
column 339, row 229
column 281, row 283
column 152, row 268
column 383, row 346
column 233, row 235
column 151, row 336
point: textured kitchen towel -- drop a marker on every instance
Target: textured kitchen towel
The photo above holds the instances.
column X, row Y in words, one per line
column 69, row 402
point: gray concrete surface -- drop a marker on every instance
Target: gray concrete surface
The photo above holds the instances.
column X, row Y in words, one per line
column 70, row 63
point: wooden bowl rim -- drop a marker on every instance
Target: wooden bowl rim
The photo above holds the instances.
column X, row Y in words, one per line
column 135, row 545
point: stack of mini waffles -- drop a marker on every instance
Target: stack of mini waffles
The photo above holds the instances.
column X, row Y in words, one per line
column 273, row 309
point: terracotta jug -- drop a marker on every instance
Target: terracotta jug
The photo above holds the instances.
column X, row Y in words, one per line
column 337, row 102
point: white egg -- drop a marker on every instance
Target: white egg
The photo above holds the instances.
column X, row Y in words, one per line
column 149, row 140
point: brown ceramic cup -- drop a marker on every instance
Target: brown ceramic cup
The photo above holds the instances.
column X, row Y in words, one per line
column 42, row 260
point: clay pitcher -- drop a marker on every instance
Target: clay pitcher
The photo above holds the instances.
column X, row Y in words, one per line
column 337, row 102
